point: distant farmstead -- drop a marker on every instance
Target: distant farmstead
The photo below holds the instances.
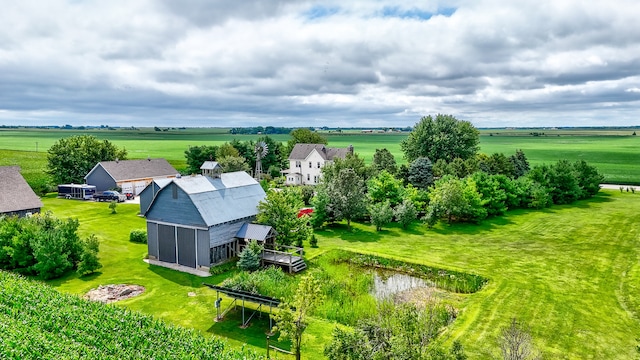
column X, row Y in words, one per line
column 193, row 220
column 307, row 160
column 17, row 198
column 132, row 176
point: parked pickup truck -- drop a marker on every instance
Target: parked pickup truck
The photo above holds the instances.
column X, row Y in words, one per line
column 110, row 195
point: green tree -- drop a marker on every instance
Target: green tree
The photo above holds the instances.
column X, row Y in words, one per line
column 351, row 161
column 493, row 196
column 197, row 155
column 251, row 256
column 384, row 187
column 304, row 136
column 563, row 183
column 226, row 149
column 113, row 205
column 70, row 159
column 421, row 173
column 405, row 213
column 444, row 137
column 347, row 197
column 520, row 163
column 233, row 163
column 383, row 160
column 321, row 207
column 455, row 200
column 89, row 262
column 588, row 177
column 381, row 214
column 280, row 210
column 292, row 318
column 349, row 344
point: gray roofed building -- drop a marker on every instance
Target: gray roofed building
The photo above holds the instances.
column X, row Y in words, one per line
column 307, row 160
column 256, row 232
column 17, row 197
column 302, row 151
column 132, row 176
column 193, row 220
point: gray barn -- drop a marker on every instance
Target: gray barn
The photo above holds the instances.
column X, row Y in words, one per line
column 193, row 220
column 132, row 176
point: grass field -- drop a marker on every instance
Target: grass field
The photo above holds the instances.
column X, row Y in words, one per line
column 614, row 152
column 570, row 272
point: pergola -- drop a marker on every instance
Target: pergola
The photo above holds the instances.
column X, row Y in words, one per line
column 244, row 296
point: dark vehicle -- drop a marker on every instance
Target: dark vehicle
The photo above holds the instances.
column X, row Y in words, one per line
column 110, row 195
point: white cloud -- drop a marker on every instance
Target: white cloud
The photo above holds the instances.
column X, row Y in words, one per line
column 359, row 62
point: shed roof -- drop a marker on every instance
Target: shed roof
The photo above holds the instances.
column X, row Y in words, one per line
column 233, row 196
column 302, row 151
column 122, row 170
column 255, row 232
column 16, row 194
column 210, row 165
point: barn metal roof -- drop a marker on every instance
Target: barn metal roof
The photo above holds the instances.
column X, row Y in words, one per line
column 122, row 170
column 254, row 232
column 209, row 165
column 231, row 197
column 16, row 194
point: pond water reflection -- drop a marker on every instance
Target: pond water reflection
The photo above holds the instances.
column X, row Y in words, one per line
column 387, row 284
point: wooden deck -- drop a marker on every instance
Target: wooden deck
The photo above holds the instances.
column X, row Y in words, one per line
column 291, row 261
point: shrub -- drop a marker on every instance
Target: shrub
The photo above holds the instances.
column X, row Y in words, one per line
column 112, row 206
column 138, row 236
column 89, row 259
column 250, row 257
column 313, row 241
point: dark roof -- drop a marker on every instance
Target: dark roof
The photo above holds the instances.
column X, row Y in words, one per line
column 255, row 232
column 16, row 194
column 301, row 151
column 136, row 169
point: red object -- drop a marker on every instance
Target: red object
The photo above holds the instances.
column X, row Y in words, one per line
column 305, row 211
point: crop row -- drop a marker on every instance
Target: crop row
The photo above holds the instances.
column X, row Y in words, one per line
column 37, row 322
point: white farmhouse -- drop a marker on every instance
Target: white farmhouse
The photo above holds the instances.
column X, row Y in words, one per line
column 307, row 160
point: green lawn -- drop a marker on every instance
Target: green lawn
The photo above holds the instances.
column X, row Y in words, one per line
column 570, row 272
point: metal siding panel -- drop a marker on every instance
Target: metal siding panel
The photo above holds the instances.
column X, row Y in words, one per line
column 101, row 179
column 166, row 243
column 177, row 211
column 152, row 239
column 186, row 247
column 203, row 248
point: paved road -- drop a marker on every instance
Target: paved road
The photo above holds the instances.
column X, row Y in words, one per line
column 617, row 186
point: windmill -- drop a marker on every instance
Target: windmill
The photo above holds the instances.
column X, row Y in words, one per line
column 261, row 150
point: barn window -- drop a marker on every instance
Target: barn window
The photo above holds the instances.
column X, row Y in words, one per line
column 174, row 190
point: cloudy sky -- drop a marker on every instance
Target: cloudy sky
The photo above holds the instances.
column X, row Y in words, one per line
column 315, row 63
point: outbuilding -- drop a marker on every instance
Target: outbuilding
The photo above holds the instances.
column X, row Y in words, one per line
column 17, row 198
column 131, row 176
column 193, row 220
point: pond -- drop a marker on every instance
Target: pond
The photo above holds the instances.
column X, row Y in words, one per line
column 387, row 284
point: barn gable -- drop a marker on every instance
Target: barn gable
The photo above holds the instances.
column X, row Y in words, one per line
column 17, row 197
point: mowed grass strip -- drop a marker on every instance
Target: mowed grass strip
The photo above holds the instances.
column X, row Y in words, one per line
column 568, row 272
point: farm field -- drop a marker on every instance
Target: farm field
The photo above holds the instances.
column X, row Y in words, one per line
column 614, row 152
column 570, row 272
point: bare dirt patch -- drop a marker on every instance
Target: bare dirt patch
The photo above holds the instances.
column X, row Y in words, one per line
column 113, row 292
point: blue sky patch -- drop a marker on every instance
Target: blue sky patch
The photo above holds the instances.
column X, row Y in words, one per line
column 414, row 13
column 319, row 11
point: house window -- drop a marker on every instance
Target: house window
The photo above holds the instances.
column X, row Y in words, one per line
column 310, row 166
column 315, row 179
column 298, row 164
column 318, row 164
column 308, row 177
